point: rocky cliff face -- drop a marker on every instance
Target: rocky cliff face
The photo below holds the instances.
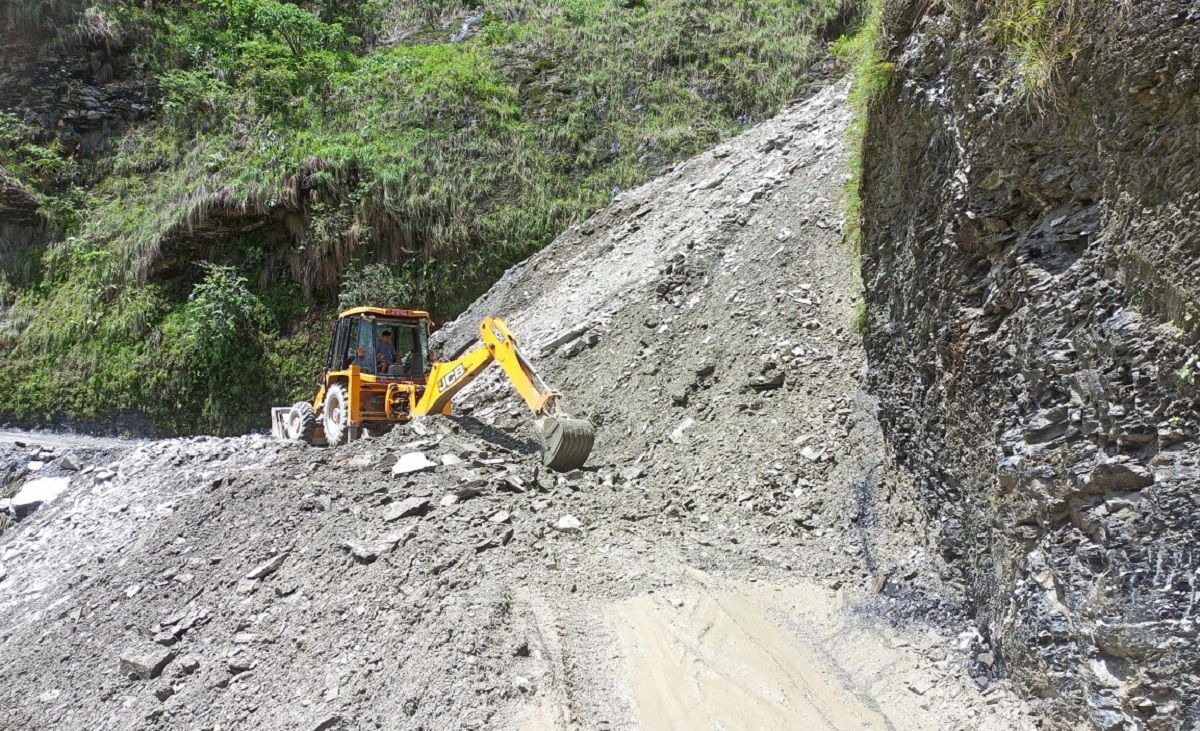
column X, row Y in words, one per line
column 67, row 74
column 1032, row 269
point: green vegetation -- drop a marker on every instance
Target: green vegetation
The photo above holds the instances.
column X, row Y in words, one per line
column 870, row 76
column 860, row 320
column 1039, row 36
column 332, row 152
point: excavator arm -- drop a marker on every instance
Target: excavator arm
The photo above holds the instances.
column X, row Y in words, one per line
column 566, row 442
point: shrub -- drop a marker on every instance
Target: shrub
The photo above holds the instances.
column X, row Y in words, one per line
column 210, row 368
column 376, row 285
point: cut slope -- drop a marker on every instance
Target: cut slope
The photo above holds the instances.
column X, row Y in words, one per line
column 312, row 589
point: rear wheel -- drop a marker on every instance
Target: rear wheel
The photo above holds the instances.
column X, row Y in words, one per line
column 337, row 415
column 301, row 422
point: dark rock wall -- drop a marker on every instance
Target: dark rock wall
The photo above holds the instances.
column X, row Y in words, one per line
column 1032, row 272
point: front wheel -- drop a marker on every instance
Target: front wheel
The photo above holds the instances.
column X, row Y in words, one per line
column 337, row 415
column 301, row 422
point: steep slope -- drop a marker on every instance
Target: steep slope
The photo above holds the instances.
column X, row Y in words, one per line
column 1030, row 258
column 734, row 554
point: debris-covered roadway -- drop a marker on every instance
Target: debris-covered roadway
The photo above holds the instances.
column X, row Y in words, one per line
column 734, row 555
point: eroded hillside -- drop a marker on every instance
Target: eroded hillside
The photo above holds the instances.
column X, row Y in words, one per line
column 188, row 189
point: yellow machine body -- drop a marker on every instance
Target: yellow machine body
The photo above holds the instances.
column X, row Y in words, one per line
column 362, row 389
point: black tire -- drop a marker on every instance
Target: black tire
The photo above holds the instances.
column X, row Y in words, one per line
column 336, row 415
column 302, row 422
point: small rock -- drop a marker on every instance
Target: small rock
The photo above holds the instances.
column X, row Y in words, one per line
column 70, row 462
column 450, row 459
column 1109, row 720
column 512, row 483
column 487, row 545
column 986, row 658
column 677, row 433
column 463, row 494
column 246, row 586
column 767, row 382
column 237, row 666
column 35, row 493
column 104, row 475
column 501, row 517
column 812, row 455
column 164, row 692
column 316, row 502
column 35, row 465
column 3, row 573
column 147, row 664
column 920, row 684
column 573, row 348
column 132, row 590
column 407, row 507
column 629, row 474
column 1117, row 474
column 568, row 524
column 266, row 568
column 50, row 696
column 411, row 463
column 327, row 723
column 361, row 460
column 188, row 665
column 368, row 551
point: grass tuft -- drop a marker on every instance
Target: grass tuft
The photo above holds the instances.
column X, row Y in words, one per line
column 1039, row 36
column 870, row 74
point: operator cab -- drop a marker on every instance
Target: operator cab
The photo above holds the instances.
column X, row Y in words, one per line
column 388, row 344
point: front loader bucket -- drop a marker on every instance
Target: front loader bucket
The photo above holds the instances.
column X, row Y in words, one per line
column 566, row 443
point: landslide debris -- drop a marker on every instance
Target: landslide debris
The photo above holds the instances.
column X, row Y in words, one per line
column 737, row 513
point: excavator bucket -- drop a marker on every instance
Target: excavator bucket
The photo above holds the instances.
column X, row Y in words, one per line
column 566, row 443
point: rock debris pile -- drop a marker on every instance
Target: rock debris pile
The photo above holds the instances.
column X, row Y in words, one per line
column 437, row 577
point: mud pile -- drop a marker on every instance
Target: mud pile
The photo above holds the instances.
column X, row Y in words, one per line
column 733, row 553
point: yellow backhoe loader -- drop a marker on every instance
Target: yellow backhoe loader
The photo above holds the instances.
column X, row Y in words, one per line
column 378, row 372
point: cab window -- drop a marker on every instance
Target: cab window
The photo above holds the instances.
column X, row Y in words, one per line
column 409, row 340
column 364, row 356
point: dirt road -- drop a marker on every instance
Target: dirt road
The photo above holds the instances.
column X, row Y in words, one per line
column 60, row 439
column 735, row 556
